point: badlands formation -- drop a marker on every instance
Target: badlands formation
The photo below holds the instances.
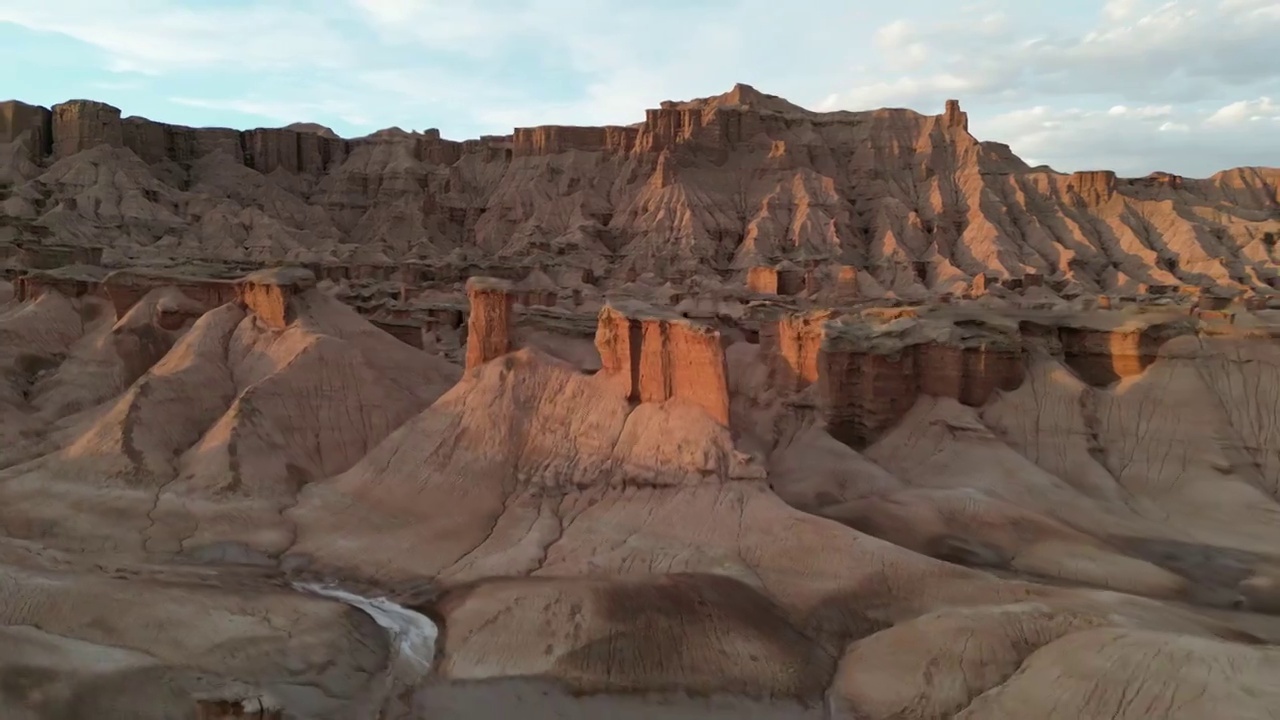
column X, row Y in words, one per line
column 743, row 411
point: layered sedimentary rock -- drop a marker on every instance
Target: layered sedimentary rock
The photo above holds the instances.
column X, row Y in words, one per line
column 489, row 324
column 269, row 294
column 660, row 356
column 912, row 200
column 1102, row 356
column 555, row 139
column 793, row 344
column 1094, row 187
column 19, row 120
column 763, row 280
column 124, row 288
column 72, row 282
column 80, row 125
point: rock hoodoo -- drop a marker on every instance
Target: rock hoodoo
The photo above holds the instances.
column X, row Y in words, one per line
column 489, row 325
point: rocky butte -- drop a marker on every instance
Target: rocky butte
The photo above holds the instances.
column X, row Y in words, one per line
column 741, row 410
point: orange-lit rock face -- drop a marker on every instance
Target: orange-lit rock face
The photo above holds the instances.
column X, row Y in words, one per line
column 954, row 117
column 618, row 340
column 553, row 139
column 269, row 302
column 663, row 358
column 1095, row 187
column 269, row 294
column 763, row 280
column 792, row 344
column 489, row 323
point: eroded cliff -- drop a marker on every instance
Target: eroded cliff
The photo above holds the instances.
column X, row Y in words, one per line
column 909, row 204
column 661, row 356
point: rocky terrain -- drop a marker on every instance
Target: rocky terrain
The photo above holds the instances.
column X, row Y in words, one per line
column 742, row 411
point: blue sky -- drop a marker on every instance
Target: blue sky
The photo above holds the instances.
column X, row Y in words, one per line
column 1188, row 86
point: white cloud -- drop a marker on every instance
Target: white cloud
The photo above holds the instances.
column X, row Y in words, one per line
column 1133, row 143
column 153, row 36
column 1243, row 111
column 1178, row 51
column 1151, row 72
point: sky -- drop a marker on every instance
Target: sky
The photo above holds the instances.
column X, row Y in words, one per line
column 1185, row 86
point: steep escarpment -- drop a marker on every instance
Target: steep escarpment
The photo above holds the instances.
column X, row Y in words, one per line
column 907, row 204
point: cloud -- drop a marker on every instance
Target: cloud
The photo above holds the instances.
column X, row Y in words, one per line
column 154, row 37
column 1134, row 141
column 1180, row 51
column 470, row 67
column 1244, row 111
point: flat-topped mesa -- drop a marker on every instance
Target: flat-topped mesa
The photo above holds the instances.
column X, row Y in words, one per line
column 269, row 294
column 79, row 125
column 954, row 117
column 553, row 139
column 18, row 119
column 124, row 288
column 870, row 375
column 661, row 356
column 1094, row 187
column 489, row 322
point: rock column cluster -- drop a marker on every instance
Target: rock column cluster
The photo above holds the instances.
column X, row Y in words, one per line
column 659, row 357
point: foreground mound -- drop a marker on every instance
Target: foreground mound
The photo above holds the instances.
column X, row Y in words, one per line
column 530, row 470
column 607, row 534
column 237, row 412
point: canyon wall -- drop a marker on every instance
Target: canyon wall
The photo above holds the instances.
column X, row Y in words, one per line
column 866, row 377
column 660, row 356
column 77, row 125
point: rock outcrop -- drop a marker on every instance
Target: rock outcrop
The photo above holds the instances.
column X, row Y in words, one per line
column 73, row 281
column 269, row 294
column 80, row 125
column 660, row 356
column 762, row 280
column 1094, row 187
column 124, row 288
column 1102, row 356
column 19, row 120
column 793, row 344
column 665, row 196
column 490, row 331
column 870, row 371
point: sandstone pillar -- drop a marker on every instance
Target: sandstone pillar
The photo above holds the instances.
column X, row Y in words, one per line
column 489, row 324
